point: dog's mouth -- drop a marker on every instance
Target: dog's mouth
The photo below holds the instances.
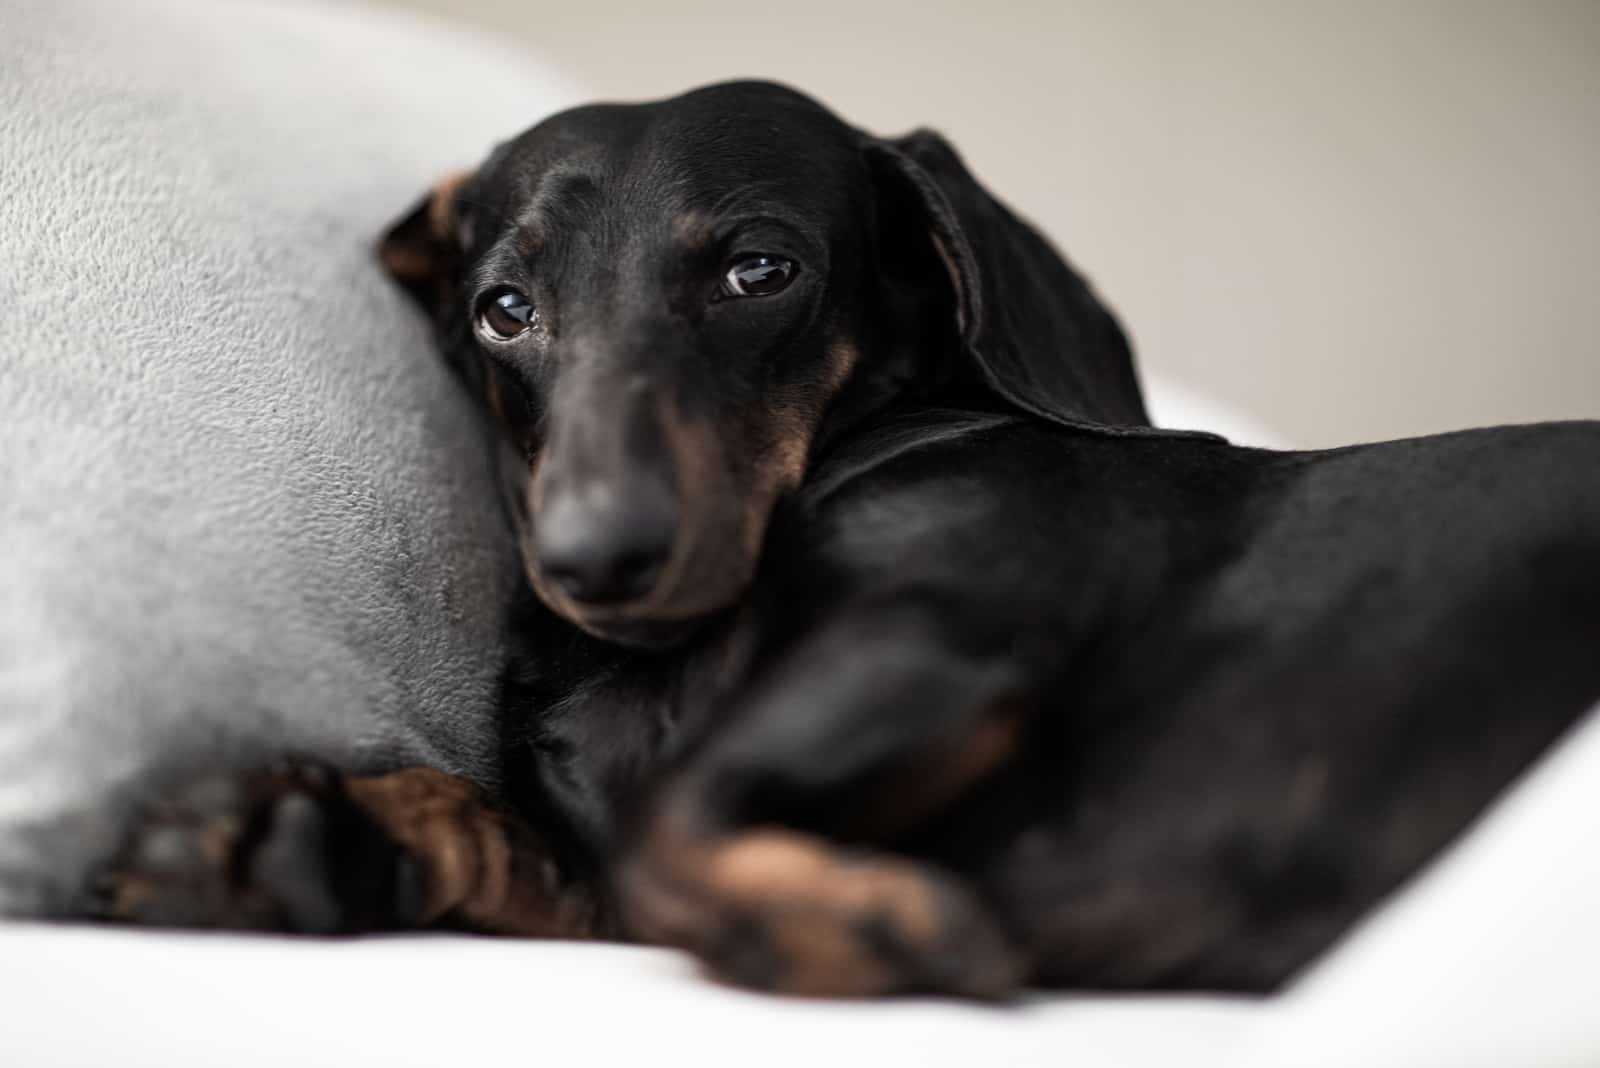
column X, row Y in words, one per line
column 650, row 623
column 645, row 635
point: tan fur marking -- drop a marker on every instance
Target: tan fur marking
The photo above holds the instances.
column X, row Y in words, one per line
column 943, row 773
column 692, row 229
column 726, row 489
column 779, row 866
column 788, row 438
column 425, row 253
column 405, row 262
column 442, row 206
column 483, row 868
column 705, row 489
column 127, row 894
column 845, row 356
column 812, row 908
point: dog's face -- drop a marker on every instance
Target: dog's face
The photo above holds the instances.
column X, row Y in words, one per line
column 663, row 301
column 670, row 295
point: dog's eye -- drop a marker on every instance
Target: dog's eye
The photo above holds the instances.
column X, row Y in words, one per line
column 758, row 276
column 507, row 314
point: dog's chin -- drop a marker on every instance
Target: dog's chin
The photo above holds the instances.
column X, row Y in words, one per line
column 645, row 635
column 634, row 630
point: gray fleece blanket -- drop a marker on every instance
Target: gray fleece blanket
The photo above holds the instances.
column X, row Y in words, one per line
column 243, row 508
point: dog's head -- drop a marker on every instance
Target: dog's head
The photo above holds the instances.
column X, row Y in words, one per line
column 667, row 305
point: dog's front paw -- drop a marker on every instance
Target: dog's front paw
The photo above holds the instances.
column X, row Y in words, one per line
column 285, row 849
column 783, row 911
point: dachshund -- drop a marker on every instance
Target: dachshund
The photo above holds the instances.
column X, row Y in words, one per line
column 881, row 644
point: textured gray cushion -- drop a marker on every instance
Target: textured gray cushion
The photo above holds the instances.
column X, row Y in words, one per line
column 243, row 508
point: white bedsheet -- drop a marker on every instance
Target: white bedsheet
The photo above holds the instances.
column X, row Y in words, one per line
column 1488, row 960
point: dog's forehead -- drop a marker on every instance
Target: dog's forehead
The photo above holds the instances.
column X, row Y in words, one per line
column 688, row 153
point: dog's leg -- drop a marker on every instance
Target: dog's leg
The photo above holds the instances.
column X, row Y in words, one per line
column 302, row 848
column 742, row 860
column 484, row 869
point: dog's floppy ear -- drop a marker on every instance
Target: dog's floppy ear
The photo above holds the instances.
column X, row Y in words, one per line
column 424, row 250
column 1029, row 326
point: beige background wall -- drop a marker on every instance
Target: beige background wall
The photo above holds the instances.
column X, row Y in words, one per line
column 1354, row 220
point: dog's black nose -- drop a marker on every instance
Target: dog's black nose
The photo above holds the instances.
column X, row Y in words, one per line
column 605, row 546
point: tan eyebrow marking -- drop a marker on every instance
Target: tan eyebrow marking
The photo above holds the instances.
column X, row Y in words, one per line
column 692, row 228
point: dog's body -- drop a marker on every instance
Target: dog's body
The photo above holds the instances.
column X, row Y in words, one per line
column 1219, row 700
column 1024, row 689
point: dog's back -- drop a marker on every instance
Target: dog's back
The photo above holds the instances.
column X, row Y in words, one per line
column 1272, row 684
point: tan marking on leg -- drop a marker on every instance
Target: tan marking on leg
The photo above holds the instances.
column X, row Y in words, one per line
column 126, row 894
column 942, row 773
column 787, row 911
column 483, row 866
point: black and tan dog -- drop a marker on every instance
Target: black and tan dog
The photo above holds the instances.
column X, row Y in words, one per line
column 908, row 656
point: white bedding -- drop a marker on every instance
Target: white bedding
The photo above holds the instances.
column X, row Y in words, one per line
column 1488, row 960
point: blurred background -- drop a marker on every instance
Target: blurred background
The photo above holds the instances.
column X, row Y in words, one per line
column 1351, row 220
